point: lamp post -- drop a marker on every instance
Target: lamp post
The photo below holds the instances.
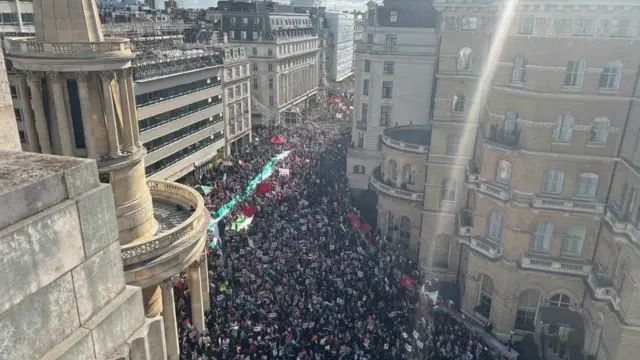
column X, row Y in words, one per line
column 511, row 332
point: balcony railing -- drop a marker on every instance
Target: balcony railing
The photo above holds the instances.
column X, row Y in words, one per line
column 621, row 223
column 491, row 188
column 465, row 222
column 161, row 243
column 504, row 137
column 557, row 265
column 378, row 183
column 593, row 207
column 393, row 49
column 405, row 146
column 29, row 46
column 484, row 246
column 603, row 289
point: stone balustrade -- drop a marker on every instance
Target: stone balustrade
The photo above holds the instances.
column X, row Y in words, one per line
column 557, row 265
column 585, row 206
column 490, row 188
column 603, row 290
column 405, row 146
column 488, row 248
column 159, row 244
column 621, row 224
column 390, row 190
column 29, row 46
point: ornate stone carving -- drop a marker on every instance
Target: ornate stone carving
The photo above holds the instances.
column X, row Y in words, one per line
column 167, row 285
column 140, row 250
column 195, row 264
column 54, row 77
column 33, row 76
column 106, row 75
column 82, row 76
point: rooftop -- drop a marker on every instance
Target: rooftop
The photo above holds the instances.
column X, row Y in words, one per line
column 412, row 134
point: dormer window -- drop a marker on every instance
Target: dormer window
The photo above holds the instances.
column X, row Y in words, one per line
column 393, row 17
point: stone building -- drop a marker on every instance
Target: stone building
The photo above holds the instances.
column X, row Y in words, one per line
column 161, row 225
column 339, row 46
column 527, row 188
column 237, row 97
column 283, row 50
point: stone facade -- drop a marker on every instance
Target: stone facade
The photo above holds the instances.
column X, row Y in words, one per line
column 64, row 294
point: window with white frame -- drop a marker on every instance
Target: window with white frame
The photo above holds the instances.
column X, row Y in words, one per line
column 586, row 185
column 583, row 27
column 453, row 145
column 464, row 60
column 610, row 75
column 527, row 310
column 243, row 35
column 573, row 240
column 485, row 297
column 621, row 27
column 552, row 181
column 15, row 93
column 407, row 175
column 519, row 70
column 388, row 67
column 393, row 16
column 448, row 190
column 393, row 170
column 503, row 175
column 541, row 237
column 526, row 25
column 387, row 89
column 560, row 300
column 365, row 87
column 495, row 226
column 511, row 121
column 599, row 130
column 459, row 103
column 441, row 252
column 564, row 128
column 575, row 73
column 385, row 115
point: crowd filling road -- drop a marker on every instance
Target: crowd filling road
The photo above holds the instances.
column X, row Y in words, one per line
column 299, row 282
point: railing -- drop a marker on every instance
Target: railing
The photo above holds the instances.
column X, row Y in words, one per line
column 465, row 222
column 377, row 182
column 159, row 244
column 30, row 46
column 491, row 188
column 486, row 247
column 504, row 137
column 620, row 222
column 402, row 145
column 394, row 49
column 564, row 266
column 594, row 207
column 603, row 289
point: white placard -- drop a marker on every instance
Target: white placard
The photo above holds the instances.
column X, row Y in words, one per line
column 360, row 274
column 408, row 347
column 420, row 344
column 404, row 335
column 304, row 228
column 386, row 346
column 220, row 297
column 257, row 328
column 332, row 247
column 415, row 335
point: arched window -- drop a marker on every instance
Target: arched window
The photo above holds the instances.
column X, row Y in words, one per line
column 459, row 103
column 527, row 310
column 464, row 60
column 587, row 184
column 393, row 170
column 510, row 121
column 495, row 226
column 541, row 237
column 560, row 300
column 448, row 190
column 390, row 223
column 610, row 75
column 599, row 130
column 519, row 70
column 575, row 73
column 504, row 172
column 485, row 296
column 407, row 175
column 552, row 181
column 405, row 231
column 564, row 128
column 573, row 240
column 441, row 253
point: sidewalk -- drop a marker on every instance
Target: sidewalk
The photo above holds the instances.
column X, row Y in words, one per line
column 487, row 338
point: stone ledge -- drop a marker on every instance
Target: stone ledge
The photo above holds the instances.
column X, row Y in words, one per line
column 77, row 346
column 96, row 209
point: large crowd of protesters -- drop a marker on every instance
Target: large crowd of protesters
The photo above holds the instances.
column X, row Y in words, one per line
column 300, row 282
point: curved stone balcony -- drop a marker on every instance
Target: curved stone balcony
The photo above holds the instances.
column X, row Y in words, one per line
column 409, row 138
column 377, row 182
column 27, row 53
column 179, row 239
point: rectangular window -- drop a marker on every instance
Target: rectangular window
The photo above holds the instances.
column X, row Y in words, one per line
column 15, row 94
column 270, row 67
column 254, row 83
column 453, row 145
column 23, row 137
column 243, row 69
column 229, row 74
column 18, row 113
column 371, row 17
column 243, row 35
column 621, row 27
column 230, row 93
column 238, row 91
column 270, row 83
column 236, row 71
column 270, row 52
column 369, row 38
column 391, row 39
column 387, row 89
column 583, row 27
column 256, row 21
column 385, row 115
column 27, row 18
column 393, row 16
column 254, row 51
column 245, row 89
column 245, row 20
column 363, row 113
column 255, row 35
column 231, row 32
column 271, row 100
column 365, row 87
column 255, row 66
column 526, row 25
column 367, row 65
column 388, row 67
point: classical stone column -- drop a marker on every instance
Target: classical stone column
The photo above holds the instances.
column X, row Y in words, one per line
column 127, row 126
column 61, row 112
column 35, row 85
column 204, row 279
column 112, row 126
column 133, row 112
column 170, row 322
column 195, row 290
column 87, row 116
column 27, row 114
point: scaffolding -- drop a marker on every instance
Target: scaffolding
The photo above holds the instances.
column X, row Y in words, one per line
column 164, row 48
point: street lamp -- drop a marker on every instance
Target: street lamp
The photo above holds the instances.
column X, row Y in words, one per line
column 511, row 332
